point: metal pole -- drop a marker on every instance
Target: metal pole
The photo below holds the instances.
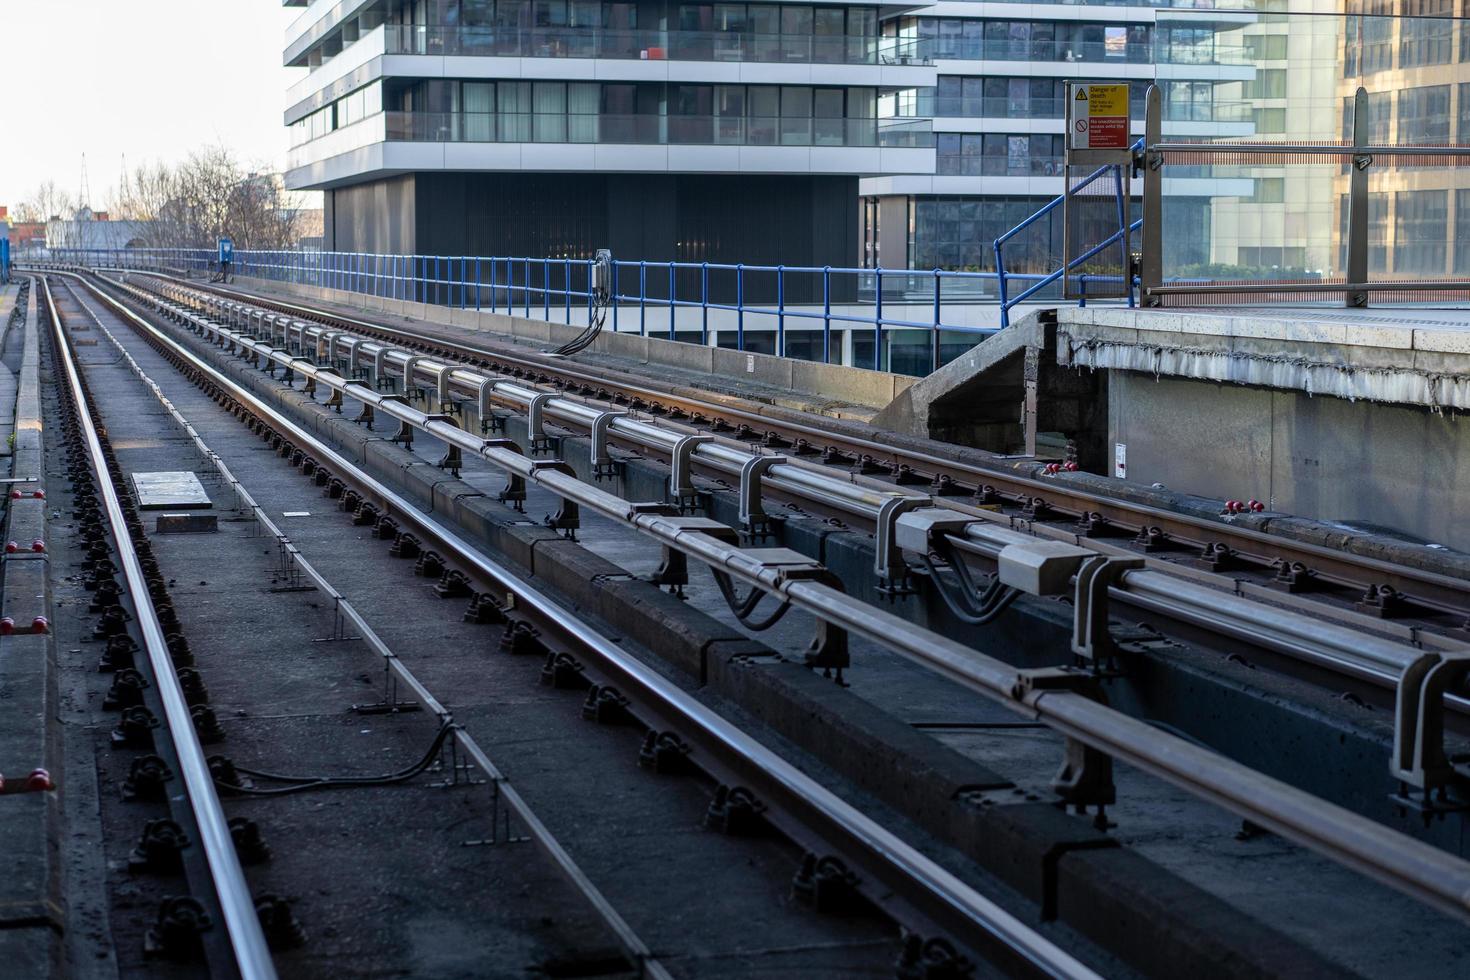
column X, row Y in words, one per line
column 642, row 298
column 704, row 303
column 878, row 318
column 781, row 310
column 934, row 335
column 672, row 312
column 740, row 307
column 826, row 315
column 1151, row 237
column 1357, row 241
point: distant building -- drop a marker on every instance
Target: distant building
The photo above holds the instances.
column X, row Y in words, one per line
column 89, row 229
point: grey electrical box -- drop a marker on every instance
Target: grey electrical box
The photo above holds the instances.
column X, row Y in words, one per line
column 1041, row 567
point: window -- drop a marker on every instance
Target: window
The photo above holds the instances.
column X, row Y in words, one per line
column 1424, row 115
column 1425, row 36
column 1462, row 232
column 1269, row 190
column 1421, row 232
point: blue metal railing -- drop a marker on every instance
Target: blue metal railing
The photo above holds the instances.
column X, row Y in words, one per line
column 1039, row 283
column 758, row 307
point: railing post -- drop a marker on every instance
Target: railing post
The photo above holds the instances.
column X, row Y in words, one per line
column 546, row 288
column 613, row 299
column 566, row 283
column 781, row 310
column 642, row 298
column 1151, row 238
column 477, row 284
column 1357, row 242
column 673, row 311
column 934, row 335
column 1000, row 285
column 526, row 287
column 826, row 314
column 740, row 307
column 878, row 318
column 704, row 304
column 464, row 279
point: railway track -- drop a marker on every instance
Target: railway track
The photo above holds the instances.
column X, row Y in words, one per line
column 1357, row 843
column 895, row 876
column 1367, row 634
column 1263, row 801
column 1396, row 599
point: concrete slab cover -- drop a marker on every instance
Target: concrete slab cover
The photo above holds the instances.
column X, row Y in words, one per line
column 172, row 489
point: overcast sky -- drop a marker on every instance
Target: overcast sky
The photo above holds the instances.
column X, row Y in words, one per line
column 149, row 78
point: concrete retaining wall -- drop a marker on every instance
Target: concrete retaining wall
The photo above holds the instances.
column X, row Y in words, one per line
column 855, row 386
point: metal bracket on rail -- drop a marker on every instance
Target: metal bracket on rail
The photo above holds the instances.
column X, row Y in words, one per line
column 1091, row 640
column 1086, row 775
column 326, row 346
column 452, row 460
column 334, row 400
column 409, row 364
column 568, row 518
column 269, row 367
column 602, row 461
column 828, row 648
column 354, row 370
column 514, row 492
column 888, row 563
column 752, row 515
column 484, row 406
column 674, row 572
column 681, row 477
column 381, row 381
column 405, row 431
column 536, row 423
column 1419, row 757
column 441, row 387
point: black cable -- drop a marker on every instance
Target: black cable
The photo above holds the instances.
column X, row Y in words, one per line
column 969, row 604
column 320, row 782
column 743, row 608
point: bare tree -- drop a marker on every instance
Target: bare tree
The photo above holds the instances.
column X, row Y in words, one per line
column 208, row 196
column 47, row 201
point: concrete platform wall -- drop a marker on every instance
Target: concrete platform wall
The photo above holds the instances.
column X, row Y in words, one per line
column 856, row 386
column 1398, row 466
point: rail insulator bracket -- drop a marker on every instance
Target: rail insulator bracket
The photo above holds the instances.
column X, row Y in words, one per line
column 1420, row 761
column 736, row 811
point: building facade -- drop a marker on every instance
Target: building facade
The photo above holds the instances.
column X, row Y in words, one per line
column 905, row 136
column 695, row 132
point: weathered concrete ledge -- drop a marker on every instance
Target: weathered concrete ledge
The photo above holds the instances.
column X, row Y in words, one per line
column 1397, row 356
column 1058, row 862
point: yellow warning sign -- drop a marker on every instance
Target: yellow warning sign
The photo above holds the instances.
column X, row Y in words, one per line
column 1105, row 100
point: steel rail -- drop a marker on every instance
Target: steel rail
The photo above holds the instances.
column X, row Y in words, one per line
column 1425, row 872
column 801, row 791
column 242, row 922
column 1431, row 589
column 811, row 484
column 632, row 944
column 1377, row 660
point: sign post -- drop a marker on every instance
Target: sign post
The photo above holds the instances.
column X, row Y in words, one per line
column 1097, row 136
